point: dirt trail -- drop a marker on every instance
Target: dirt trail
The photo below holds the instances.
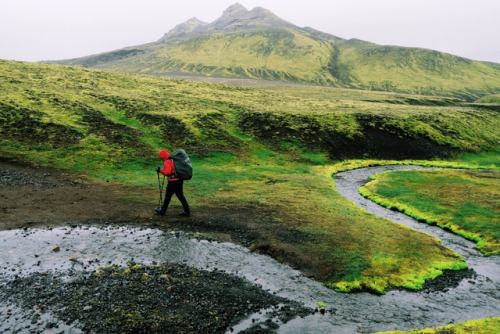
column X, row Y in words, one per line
column 41, row 197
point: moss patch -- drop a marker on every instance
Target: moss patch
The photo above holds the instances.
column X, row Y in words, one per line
column 483, row 326
column 465, row 202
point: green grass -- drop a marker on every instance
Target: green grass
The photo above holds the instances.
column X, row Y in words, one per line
column 483, row 326
column 485, row 160
column 494, row 99
column 466, row 202
column 418, row 71
column 269, row 151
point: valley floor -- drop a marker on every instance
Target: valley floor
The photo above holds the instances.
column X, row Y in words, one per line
column 47, row 198
column 34, row 197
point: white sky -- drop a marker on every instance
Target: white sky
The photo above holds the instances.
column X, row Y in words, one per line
column 34, row 30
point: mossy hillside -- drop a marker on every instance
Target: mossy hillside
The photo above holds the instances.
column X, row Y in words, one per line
column 482, row 326
column 420, row 71
column 116, row 123
column 306, row 56
column 285, row 55
column 463, row 201
column 493, row 99
column 342, row 123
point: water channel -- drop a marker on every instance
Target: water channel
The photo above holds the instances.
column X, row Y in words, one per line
column 32, row 250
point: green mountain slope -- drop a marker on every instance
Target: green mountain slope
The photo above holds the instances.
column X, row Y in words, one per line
column 420, row 71
column 257, row 44
column 277, row 54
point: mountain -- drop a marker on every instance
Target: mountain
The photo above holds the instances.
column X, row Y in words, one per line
column 185, row 28
column 235, row 18
column 257, row 44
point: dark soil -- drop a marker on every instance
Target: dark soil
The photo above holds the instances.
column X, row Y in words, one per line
column 33, row 196
column 44, row 197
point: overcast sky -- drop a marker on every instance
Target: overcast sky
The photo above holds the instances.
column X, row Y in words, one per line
column 34, row 30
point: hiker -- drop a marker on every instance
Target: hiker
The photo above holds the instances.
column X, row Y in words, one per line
column 174, row 185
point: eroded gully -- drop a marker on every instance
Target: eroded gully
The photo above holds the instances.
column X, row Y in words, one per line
column 32, row 250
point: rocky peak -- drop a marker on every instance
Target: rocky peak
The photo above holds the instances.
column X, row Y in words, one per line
column 234, row 18
column 230, row 15
column 234, row 11
column 237, row 18
column 265, row 16
column 188, row 27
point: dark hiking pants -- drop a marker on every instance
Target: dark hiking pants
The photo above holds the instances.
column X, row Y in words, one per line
column 175, row 187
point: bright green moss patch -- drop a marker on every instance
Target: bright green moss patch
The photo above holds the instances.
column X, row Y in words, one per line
column 466, row 202
column 482, row 326
column 316, row 229
column 495, row 99
column 486, row 160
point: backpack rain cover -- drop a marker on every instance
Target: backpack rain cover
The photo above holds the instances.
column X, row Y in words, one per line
column 183, row 166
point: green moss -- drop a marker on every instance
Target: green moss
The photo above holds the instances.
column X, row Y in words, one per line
column 482, row 326
column 494, row 99
column 465, row 202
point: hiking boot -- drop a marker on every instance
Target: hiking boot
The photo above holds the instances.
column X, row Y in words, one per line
column 185, row 214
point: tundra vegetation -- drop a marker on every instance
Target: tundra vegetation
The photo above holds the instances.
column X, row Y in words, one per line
column 268, row 151
column 483, row 326
column 466, row 202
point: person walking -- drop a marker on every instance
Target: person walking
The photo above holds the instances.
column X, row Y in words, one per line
column 174, row 185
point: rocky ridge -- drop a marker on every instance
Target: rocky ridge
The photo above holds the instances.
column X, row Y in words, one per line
column 235, row 18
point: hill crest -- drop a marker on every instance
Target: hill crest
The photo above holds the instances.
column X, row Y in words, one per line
column 234, row 18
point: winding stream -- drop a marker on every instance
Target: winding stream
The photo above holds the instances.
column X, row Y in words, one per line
column 32, row 250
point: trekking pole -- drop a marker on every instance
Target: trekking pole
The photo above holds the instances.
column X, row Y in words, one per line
column 160, row 187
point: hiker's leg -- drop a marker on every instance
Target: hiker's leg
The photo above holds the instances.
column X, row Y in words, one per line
column 169, row 192
column 180, row 195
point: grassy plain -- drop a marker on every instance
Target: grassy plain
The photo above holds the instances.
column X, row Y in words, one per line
column 267, row 151
column 466, row 202
column 483, row 326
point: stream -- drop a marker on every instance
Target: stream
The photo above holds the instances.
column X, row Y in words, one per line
column 27, row 251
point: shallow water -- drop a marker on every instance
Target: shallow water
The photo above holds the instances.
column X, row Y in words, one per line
column 69, row 250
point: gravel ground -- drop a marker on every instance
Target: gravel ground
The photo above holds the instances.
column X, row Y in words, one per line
column 164, row 298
